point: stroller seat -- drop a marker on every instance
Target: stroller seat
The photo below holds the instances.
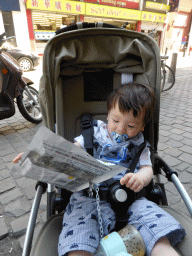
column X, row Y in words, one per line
column 46, row 244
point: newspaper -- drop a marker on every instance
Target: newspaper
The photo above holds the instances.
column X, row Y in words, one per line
column 52, row 159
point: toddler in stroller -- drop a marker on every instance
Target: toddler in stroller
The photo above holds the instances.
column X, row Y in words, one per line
column 80, row 67
column 128, row 108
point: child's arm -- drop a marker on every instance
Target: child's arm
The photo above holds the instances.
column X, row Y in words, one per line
column 137, row 181
column 17, row 158
column 78, row 144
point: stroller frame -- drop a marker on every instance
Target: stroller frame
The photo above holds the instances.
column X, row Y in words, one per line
column 65, row 57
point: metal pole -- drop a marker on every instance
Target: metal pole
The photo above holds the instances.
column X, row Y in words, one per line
column 182, row 192
column 166, row 49
column 184, row 49
column 32, row 221
column 50, row 205
column 141, row 5
column 173, row 66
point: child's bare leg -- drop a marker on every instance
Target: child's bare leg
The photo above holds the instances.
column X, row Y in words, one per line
column 79, row 253
column 163, row 247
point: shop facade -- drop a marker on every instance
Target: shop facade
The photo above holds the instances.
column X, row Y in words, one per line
column 180, row 32
column 178, row 35
column 6, row 18
column 155, row 24
column 46, row 16
column 13, row 21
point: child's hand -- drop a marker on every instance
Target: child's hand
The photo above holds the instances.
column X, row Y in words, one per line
column 17, row 158
column 132, row 181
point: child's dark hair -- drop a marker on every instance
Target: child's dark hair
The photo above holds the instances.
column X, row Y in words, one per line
column 133, row 96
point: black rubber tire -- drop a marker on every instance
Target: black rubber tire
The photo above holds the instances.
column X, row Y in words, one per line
column 25, row 63
column 23, row 109
column 167, row 79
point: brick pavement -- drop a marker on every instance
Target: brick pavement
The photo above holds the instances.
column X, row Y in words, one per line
column 16, row 193
column 175, row 136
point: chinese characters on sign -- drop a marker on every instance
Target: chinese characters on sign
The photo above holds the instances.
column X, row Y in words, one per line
column 58, row 5
column 47, row 3
column 154, row 17
column 68, row 7
column 34, row 3
column 78, row 8
column 98, row 10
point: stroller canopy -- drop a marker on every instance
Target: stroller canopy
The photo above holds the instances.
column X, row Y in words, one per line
column 94, row 59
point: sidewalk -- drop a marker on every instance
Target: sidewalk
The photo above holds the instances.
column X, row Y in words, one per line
column 17, row 193
column 175, row 136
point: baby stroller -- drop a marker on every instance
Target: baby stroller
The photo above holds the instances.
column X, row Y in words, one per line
column 82, row 64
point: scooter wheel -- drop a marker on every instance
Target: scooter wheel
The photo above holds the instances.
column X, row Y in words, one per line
column 29, row 110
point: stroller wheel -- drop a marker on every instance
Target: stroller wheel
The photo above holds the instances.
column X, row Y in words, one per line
column 29, row 110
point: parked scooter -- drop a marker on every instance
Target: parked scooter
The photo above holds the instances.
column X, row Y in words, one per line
column 14, row 86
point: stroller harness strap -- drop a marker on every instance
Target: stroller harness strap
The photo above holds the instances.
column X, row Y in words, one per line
column 87, row 132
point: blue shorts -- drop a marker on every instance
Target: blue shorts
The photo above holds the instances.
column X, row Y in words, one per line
column 81, row 228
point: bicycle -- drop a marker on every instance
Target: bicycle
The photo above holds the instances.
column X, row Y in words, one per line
column 167, row 75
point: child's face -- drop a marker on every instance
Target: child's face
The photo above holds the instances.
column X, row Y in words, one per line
column 125, row 123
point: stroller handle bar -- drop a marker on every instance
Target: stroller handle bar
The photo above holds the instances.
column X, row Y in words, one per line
column 32, row 220
column 173, row 176
column 185, row 196
column 80, row 25
column 164, row 166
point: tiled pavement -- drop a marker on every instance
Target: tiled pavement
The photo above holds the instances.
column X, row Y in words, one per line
column 175, row 141
column 16, row 193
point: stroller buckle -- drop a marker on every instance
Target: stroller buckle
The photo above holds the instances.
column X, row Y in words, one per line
column 86, row 124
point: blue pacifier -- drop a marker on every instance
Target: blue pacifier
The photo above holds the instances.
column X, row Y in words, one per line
column 118, row 137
